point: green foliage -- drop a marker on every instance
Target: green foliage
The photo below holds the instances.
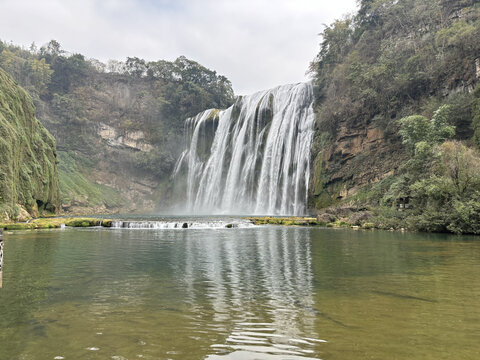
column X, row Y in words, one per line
column 418, row 132
column 441, row 130
column 414, row 129
column 28, row 171
column 34, row 74
column 460, row 114
column 390, row 60
column 68, row 71
column 443, row 194
column 136, row 67
column 41, row 74
column 391, row 56
column 439, row 183
column 458, row 35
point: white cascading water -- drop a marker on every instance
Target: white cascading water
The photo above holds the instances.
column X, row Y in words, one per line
column 254, row 157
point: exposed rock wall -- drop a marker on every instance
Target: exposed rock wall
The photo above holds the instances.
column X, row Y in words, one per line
column 103, row 145
column 356, row 157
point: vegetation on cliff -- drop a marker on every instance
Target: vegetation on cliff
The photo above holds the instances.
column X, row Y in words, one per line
column 118, row 125
column 380, row 76
column 28, row 170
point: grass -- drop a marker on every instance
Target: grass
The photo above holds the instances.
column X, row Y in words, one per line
column 74, row 186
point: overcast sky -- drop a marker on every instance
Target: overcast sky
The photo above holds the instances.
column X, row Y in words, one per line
column 257, row 44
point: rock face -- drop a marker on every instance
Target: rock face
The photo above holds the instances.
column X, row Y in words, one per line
column 28, row 170
column 357, row 156
column 129, row 139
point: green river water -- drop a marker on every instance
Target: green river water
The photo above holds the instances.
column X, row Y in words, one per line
column 266, row 293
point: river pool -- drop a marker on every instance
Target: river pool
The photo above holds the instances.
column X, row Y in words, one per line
column 266, row 293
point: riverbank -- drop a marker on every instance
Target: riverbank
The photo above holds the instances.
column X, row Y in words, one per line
column 59, row 222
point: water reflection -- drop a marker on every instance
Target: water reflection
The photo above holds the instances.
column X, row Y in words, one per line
column 230, row 294
column 257, row 292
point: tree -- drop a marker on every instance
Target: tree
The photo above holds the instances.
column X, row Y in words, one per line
column 53, row 48
column 441, row 130
column 115, row 66
column 97, row 65
column 136, row 67
column 461, row 165
column 476, row 115
column 52, row 51
column 417, row 128
column 414, row 129
column 9, row 63
column 40, row 74
column 68, row 70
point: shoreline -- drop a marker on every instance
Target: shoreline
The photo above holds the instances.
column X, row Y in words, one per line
column 73, row 221
column 292, row 221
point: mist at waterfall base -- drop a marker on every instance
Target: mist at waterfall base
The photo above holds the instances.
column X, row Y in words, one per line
column 250, row 159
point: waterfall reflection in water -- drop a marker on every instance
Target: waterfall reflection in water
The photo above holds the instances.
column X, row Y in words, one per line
column 260, row 293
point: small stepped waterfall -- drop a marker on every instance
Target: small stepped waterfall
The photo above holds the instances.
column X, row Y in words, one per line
column 252, row 158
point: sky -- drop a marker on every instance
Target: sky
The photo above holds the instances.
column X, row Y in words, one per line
column 257, row 44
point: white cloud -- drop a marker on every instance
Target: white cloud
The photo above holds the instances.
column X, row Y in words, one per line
column 257, row 44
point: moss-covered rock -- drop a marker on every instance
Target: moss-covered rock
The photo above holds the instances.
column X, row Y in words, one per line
column 28, row 170
column 55, row 222
column 83, row 222
column 288, row 221
column 107, row 223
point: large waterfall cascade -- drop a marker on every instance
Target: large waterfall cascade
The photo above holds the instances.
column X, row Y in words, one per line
column 252, row 158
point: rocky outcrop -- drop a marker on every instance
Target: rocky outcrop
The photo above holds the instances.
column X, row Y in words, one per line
column 134, row 139
column 357, row 156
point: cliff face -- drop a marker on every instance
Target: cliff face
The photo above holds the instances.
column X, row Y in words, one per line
column 354, row 158
column 28, row 170
column 118, row 128
column 392, row 59
column 104, row 145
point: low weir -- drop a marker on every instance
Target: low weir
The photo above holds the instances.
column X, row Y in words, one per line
column 184, row 224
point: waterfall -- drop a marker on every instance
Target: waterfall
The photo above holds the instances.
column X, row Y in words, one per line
column 252, row 158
